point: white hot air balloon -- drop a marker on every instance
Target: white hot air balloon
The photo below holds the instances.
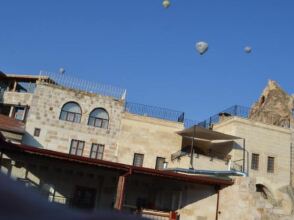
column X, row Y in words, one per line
column 201, row 47
column 166, row 3
column 61, row 70
column 248, row 49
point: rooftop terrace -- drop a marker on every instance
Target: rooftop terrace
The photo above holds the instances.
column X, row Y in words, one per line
column 26, row 83
column 84, row 85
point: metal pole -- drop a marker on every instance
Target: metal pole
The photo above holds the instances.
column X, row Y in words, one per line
column 192, row 149
column 244, row 155
column 1, row 156
column 217, row 202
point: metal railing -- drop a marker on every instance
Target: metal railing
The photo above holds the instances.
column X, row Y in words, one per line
column 235, row 110
column 189, row 123
column 83, row 85
column 235, row 165
column 155, row 112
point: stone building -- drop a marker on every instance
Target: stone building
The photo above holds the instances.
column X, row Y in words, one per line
column 81, row 138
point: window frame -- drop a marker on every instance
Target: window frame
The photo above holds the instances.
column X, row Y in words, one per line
column 37, row 132
column 76, row 147
column 69, row 113
column 255, row 161
column 16, row 113
column 157, row 163
column 134, row 159
column 270, row 168
column 96, row 152
column 102, row 121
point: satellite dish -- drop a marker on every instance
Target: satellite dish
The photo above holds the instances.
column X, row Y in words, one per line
column 201, row 47
column 61, row 70
column 248, row 49
column 166, row 3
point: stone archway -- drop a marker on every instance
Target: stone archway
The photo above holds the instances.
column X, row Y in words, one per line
column 265, row 193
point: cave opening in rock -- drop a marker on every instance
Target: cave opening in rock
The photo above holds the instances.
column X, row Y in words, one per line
column 262, row 100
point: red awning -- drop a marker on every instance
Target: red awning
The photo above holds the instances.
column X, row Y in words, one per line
column 11, row 125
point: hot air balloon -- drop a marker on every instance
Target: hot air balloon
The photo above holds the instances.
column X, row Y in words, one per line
column 201, row 47
column 166, row 3
column 247, row 49
column 61, row 70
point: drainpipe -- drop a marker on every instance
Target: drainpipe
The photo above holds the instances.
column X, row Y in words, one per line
column 217, row 202
column 121, row 186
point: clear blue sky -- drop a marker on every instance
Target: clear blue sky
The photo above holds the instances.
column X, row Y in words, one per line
column 140, row 46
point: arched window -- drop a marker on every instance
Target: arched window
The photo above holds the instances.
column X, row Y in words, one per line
column 99, row 118
column 71, row 111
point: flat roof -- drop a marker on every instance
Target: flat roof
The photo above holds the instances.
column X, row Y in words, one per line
column 25, row 78
column 25, row 149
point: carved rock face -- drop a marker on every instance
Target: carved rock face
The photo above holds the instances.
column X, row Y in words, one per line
column 273, row 107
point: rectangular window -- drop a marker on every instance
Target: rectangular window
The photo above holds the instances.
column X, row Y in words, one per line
column 270, row 164
column 254, row 161
column 77, row 147
column 19, row 113
column 160, row 161
column 138, row 160
column 37, row 132
column 97, row 151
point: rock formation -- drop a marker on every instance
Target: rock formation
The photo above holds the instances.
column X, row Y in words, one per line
column 274, row 106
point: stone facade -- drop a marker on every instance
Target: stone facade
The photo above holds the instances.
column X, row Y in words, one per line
column 149, row 136
column 154, row 138
column 57, row 181
column 266, row 141
column 128, row 134
column 15, row 98
column 56, row 134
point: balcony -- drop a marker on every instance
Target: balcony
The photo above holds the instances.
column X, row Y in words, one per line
column 204, row 149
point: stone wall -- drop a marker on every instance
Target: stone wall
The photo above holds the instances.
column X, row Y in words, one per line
column 149, row 136
column 265, row 140
column 198, row 202
column 57, row 134
column 17, row 98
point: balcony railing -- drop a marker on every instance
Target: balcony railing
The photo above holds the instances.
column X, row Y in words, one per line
column 236, row 110
column 83, row 85
column 155, row 112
